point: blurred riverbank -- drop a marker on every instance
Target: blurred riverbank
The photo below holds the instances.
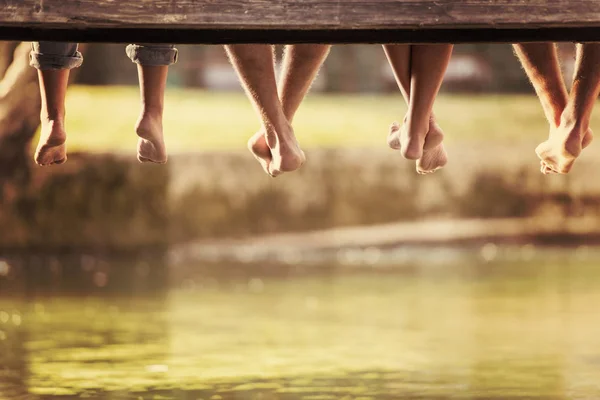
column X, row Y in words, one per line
column 109, row 202
column 103, row 200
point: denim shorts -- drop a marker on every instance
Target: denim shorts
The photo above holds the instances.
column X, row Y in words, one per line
column 62, row 55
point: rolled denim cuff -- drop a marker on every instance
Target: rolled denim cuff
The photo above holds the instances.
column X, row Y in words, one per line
column 152, row 55
column 59, row 56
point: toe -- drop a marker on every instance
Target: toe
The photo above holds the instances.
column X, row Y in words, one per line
column 551, row 168
column 265, row 167
column 393, row 138
column 274, row 170
column 394, row 142
column 548, row 169
column 149, row 160
column 263, row 163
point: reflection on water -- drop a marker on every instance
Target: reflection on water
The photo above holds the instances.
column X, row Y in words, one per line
column 472, row 329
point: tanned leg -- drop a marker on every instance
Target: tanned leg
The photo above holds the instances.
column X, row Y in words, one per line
column 254, row 65
column 428, row 65
column 434, row 155
column 51, row 148
column 300, row 66
column 149, row 127
column 540, row 61
column 301, row 63
column 568, row 139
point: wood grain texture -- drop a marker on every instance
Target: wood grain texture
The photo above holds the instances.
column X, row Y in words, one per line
column 39, row 17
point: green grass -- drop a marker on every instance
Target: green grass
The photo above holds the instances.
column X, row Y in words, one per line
column 101, row 119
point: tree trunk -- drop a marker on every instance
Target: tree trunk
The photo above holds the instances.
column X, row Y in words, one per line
column 6, row 55
column 19, row 114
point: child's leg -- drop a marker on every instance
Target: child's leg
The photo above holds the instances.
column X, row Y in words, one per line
column 53, row 62
column 434, row 154
column 153, row 66
column 149, row 127
column 428, row 65
column 572, row 134
column 301, row 63
column 254, row 65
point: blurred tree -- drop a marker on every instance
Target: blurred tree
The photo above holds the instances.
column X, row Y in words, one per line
column 19, row 112
column 6, row 55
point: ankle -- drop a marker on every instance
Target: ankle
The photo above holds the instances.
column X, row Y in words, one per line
column 417, row 130
column 52, row 119
column 433, row 125
column 573, row 124
column 149, row 120
column 152, row 111
column 554, row 119
column 54, row 128
column 53, row 132
column 283, row 129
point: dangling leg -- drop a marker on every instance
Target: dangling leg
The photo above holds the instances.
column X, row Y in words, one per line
column 254, row 65
column 434, row 155
column 301, row 63
column 149, row 128
column 540, row 61
column 53, row 61
column 428, row 65
column 398, row 56
column 51, row 148
column 300, row 66
column 572, row 134
column 153, row 67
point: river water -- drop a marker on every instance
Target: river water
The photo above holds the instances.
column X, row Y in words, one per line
column 510, row 323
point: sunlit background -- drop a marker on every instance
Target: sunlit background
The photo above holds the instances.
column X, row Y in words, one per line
column 352, row 278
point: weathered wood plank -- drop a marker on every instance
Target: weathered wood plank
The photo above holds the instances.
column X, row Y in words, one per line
column 222, row 21
column 300, row 14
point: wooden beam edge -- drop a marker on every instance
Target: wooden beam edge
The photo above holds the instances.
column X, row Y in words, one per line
column 284, row 36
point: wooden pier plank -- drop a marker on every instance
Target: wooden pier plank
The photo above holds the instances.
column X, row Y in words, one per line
column 224, row 21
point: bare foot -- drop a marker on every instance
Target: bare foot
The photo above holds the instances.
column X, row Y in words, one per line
column 151, row 145
column 434, row 154
column 393, row 138
column 411, row 144
column 587, row 140
column 51, row 148
column 277, row 156
column 257, row 145
column 558, row 153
